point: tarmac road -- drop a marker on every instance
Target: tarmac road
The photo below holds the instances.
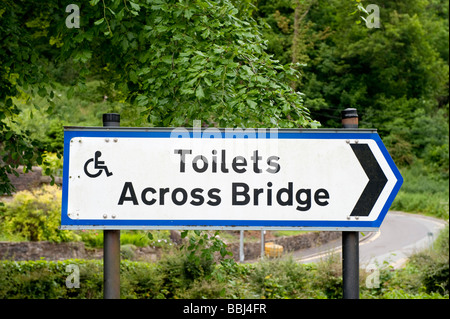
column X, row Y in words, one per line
column 400, row 235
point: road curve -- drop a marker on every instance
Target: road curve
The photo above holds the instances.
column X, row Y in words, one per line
column 400, row 235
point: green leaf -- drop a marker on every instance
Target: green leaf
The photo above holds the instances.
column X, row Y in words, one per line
column 8, row 135
column 248, row 69
column 207, row 81
column 261, row 79
column 205, row 33
column 110, row 10
column 135, row 6
column 42, row 92
column 133, row 76
column 70, row 92
column 9, row 102
column 199, row 92
column 252, row 103
column 82, row 56
column 167, row 59
column 162, row 28
column 188, row 13
column 200, row 53
column 143, row 71
column 142, row 100
column 100, row 21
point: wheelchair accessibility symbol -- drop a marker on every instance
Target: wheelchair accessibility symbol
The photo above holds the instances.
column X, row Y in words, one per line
column 98, row 165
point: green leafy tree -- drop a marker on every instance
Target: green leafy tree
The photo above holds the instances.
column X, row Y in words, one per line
column 20, row 70
column 173, row 61
column 181, row 61
column 395, row 75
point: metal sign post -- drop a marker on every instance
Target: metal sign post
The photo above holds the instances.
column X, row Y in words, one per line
column 111, row 239
column 241, row 246
column 350, row 264
column 350, row 239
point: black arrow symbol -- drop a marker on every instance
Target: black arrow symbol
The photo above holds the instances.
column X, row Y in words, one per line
column 376, row 183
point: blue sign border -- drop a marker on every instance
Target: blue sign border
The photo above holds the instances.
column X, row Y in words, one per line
column 122, row 132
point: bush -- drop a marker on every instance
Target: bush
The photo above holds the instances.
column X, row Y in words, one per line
column 35, row 215
column 436, row 277
column 423, row 191
column 433, row 265
column 274, row 279
column 47, row 279
column 204, row 289
column 327, row 278
column 141, row 280
column 279, row 278
column 425, row 276
column 180, row 272
column 52, row 165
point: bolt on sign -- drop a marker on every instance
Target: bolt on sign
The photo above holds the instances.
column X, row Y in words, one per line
column 145, row 178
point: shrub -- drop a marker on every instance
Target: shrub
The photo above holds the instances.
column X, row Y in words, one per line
column 141, row 280
column 203, row 289
column 275, row 279
column 35, row 215
column 47, row 279
column 52, row 165
column 433, row 265
column 93, row 238
column 327, row 278
column 279, row 278
column 436, row 277
column 422, row 191
column 426, row 275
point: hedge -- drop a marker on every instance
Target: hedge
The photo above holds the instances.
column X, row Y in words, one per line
column 47, row 279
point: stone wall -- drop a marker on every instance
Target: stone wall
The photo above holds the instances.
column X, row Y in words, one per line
column 30, row 180
column 73, row 250
column 76, row 250
column 41, row 249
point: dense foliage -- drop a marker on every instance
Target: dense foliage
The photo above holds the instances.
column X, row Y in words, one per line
column 35, row 215
column 395, row 75
column 173, row 61
column 426, row 276
column 200, row 269
column 167, row 63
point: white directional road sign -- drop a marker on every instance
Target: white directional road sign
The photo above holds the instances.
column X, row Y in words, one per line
column 140, row 178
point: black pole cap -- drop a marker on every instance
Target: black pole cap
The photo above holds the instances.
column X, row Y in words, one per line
column 111, row 119
column 349, row 118
column 349, row 113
